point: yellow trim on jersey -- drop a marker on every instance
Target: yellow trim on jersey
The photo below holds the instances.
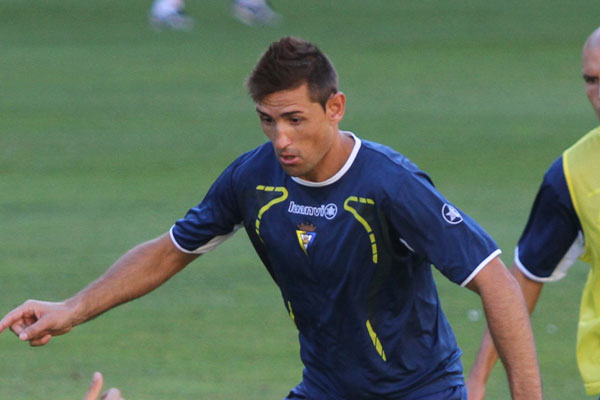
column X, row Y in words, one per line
column 376, row 342
column 263, row 209
column 364, row 223
column 292, row 316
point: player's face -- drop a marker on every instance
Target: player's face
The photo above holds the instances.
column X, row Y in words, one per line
column 305, row 137
column 591, row 76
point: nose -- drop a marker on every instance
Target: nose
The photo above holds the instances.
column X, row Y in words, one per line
column 282, row 137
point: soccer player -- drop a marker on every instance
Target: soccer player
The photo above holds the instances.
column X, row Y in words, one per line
column 563, row 225
column 348, row 229
column 170, row 14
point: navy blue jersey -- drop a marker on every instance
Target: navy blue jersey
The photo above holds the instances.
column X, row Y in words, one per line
column 352, row 256
column 552, row 239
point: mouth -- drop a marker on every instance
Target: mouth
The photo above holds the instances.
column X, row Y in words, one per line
column 288, row 159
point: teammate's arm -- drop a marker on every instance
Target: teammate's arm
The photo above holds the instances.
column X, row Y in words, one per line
column 487, row 354
column 510, row 329
column 137, row 272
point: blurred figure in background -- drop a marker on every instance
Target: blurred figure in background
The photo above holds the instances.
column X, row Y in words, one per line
column 170, row 14
column 564, row 224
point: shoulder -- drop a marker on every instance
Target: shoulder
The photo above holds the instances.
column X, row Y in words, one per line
column 583, row 156
column 253, row 162
column 255, row 157
column 553, row 195
column 394, row 180
column 378, row 152
column 554, row 177
column 243, row 172
column 390, row 163
column 592, row 138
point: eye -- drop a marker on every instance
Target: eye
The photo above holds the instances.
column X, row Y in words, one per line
column 295, row 120
column 589, row 79
column 265, row 119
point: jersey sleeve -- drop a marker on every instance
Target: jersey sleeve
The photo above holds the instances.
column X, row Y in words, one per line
column 212, row 221
column 552, row 239
column 434, row 228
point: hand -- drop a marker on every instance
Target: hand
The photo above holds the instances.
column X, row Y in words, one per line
column 96, row 387
column 476, row 389
column 38, row 321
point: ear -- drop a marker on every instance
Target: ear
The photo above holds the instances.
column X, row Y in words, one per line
column 335, row 107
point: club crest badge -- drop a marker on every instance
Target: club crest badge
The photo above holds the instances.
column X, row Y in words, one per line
column 451, row 214
column 306, row 235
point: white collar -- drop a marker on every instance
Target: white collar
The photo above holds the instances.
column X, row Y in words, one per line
column 337, row 176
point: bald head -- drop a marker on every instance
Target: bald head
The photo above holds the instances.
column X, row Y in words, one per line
column 593, row 41
column 591, row 69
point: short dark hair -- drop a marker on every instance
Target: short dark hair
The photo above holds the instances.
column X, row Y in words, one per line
column 289, row 63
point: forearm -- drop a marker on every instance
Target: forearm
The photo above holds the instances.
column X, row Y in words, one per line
column 487, row 354
column 510, row 328
column 137, row 272
column 485, row 360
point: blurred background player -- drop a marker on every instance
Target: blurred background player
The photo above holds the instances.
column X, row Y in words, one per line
column 254, row 12
column 563, row 225
column 170, row 14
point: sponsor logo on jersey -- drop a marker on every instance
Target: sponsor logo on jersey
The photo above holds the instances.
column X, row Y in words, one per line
column 306, row 235
column 328, row 211
column 451, row 214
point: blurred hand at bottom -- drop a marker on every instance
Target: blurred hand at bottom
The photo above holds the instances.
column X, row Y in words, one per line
column 96, row 388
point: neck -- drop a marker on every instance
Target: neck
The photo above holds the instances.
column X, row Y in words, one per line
column 336, row 157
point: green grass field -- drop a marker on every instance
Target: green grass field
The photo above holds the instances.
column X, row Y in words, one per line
column 110, row 131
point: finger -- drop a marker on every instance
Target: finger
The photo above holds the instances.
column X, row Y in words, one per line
column 37, row 330
column 17, row 327
column 112, row 394
column 19, row 319
column 40, row 342
column 95, row 387
column 13, row 317
column 44, row 339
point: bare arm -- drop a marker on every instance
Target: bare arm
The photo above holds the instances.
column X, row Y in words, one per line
column 487, row 355
column 137, row 272
column 510, row 328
